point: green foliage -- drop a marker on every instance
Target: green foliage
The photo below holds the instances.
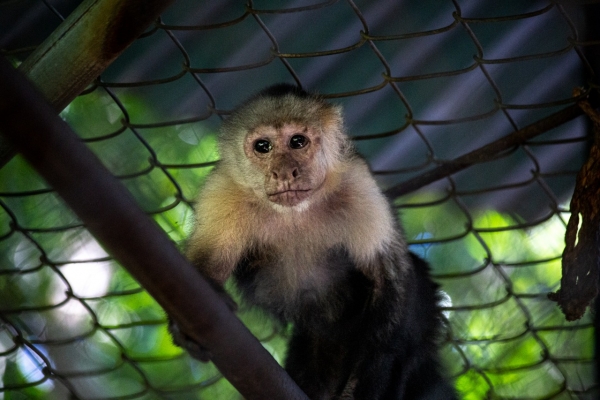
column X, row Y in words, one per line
column 58, row 286
column 107, row 321
column 14, row 377
column 497, row 275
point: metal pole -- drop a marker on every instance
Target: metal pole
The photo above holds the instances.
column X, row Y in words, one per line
column 111, row 214
column 484, row 153
column 81, row 48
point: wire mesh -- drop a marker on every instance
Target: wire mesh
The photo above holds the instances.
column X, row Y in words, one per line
column 422, row 83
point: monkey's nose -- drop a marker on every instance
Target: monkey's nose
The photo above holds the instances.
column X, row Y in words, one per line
column 285, row 174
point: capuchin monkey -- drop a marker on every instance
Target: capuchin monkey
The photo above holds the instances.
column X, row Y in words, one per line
column 294, row 216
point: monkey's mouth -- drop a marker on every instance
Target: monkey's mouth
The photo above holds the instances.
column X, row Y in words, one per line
column 289, row 198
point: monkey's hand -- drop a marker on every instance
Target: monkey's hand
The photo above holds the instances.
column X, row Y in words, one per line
column 187, row 343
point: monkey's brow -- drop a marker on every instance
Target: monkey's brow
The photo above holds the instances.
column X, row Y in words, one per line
column 281, row 124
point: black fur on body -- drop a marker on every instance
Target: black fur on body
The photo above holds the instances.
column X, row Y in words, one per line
column 307, row 236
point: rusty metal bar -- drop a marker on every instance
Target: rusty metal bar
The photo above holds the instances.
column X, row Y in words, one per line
column 87, row 42
column 111, row 214
column 485, row 153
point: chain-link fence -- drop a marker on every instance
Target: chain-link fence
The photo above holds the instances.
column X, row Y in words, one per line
column 422, row 84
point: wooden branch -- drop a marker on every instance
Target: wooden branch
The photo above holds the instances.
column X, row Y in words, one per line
column 581, row 257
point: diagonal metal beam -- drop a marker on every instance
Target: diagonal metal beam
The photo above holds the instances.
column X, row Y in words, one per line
column 485, row 153
column 87, row 42
column 111, row 214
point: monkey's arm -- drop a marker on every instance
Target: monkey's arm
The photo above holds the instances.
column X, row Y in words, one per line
column 179, row 337
column 216, row 244
column 380, row 329
column 399, row 358
column 223, row 226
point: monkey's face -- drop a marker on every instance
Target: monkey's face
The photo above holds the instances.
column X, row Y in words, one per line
column 289, row 162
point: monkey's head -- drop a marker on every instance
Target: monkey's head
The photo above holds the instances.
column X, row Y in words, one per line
column 284, row 144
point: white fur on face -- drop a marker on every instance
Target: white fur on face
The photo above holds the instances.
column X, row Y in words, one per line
column 298, row 208
column 346, row 208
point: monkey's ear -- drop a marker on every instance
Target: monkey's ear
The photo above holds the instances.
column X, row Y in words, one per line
column 282, row 89
column 332, row 120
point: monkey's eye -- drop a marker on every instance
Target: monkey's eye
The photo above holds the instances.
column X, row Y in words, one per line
column 298, row 141
column 262, row 146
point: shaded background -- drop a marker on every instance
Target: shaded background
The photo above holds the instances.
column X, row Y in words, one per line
column 421, row 82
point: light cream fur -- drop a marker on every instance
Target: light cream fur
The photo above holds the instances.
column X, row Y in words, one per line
column 352, row 212
column 348, row 209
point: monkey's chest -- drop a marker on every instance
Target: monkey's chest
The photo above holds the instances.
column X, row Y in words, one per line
column 312, row 290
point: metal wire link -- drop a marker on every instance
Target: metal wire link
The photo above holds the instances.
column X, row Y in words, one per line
column 479, row 165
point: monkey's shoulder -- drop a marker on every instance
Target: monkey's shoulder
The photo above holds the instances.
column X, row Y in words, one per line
column 363, row 212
